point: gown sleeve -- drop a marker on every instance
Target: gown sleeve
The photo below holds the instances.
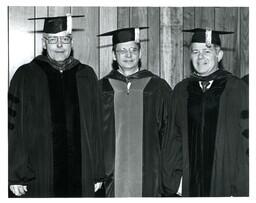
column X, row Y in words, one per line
column 19, row 171
column 171, row 149
column 97, row 129
column 241, row 182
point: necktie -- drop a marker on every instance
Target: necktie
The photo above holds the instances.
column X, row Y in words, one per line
column 205, row 84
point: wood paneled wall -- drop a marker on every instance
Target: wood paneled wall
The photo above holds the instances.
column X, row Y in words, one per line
column 164, row 49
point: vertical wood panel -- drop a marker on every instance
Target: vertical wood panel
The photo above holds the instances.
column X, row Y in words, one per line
column 176, row 46
column 86, row 41
column 39, row 25
column 165, row 44
column 58, row 11
column 244, row 41
column 188, row 23
column 123, row 17
column 108, row 22
column 80, row 37
column 138, row 18
column 204, row 17
column 154, row 40
column 21, row 37
column 226, row 19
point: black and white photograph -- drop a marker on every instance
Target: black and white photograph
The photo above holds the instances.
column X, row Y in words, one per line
column 127, row 101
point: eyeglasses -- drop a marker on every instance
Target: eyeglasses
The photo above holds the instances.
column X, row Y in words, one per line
column 202, row 52
column 54, row 39
column 131, row 50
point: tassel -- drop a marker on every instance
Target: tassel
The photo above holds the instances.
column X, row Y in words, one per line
column 208, row 37
column 69, row 23
column 137, row 35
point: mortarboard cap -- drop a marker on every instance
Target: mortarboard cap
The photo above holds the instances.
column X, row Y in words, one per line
column 57, row 24
column 124, row 34
column 207, row 36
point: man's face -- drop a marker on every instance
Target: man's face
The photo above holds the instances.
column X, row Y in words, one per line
column 205, row 59
column 58, row 45
column 127, row 55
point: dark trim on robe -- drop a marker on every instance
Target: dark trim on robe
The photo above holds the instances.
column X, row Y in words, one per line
column 203, row 110
column 66, row 131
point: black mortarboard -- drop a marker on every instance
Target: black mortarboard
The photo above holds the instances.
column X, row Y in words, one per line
column 207, row 36
column 124, row 34
column 58, row 23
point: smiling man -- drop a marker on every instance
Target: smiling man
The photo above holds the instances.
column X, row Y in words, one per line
column 54, row 121
column 58, row 46
column 209, row 111
column 136, row 123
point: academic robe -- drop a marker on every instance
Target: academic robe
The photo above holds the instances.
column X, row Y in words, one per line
column 229, row 175
column 136, row 128
column 55, row 144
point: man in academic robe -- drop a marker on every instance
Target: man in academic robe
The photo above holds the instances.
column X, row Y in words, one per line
column 209, row 111
column 136, row 123
column 55, row 146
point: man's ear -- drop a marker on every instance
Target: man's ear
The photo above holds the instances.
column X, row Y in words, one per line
column 220, row 55
column 44, row 43
column 140, row 54
column 114, row 55
column 72, row 42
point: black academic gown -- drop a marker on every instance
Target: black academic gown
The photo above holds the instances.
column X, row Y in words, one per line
column 224, row 137
column 55, row 144
column 155, row 143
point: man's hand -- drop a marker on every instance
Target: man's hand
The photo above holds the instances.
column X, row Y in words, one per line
column 18, row 190
column 97, row 186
